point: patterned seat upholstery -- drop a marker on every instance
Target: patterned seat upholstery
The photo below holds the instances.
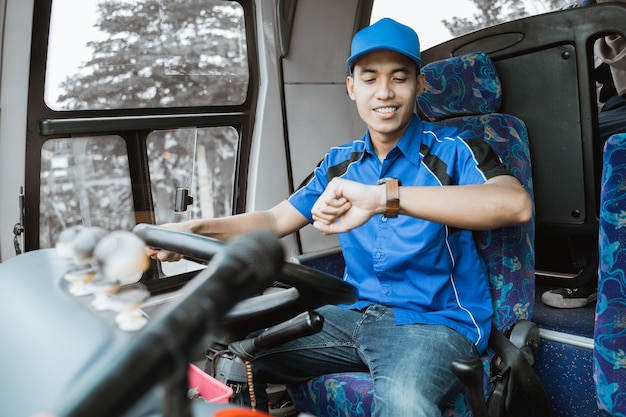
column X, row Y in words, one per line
column 609, row 355
column 463, row 91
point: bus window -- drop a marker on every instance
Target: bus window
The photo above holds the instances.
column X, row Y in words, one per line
column 84, row 181
column 452, row 18
column 203, row 161
column 145, row 54
column 153, row 84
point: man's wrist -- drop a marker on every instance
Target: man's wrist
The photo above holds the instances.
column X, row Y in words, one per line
column 194, row 226
column 381, row 198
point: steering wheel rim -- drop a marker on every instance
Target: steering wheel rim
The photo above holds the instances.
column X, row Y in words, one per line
column 316, row 288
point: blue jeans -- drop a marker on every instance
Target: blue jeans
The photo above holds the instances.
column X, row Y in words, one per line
column 410, row 364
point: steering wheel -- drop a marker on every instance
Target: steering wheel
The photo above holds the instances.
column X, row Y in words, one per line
column 307, row 288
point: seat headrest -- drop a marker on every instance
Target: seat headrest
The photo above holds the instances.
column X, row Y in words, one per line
column 460, row 86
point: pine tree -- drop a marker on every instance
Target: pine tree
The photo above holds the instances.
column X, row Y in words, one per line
column 492, row 12
column 162, row 54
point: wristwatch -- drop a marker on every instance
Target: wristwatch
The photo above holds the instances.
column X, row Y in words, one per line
column 392, row 185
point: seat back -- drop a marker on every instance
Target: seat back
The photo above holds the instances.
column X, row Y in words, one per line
column 609, row 363
column 466, row 92
column 463, row 91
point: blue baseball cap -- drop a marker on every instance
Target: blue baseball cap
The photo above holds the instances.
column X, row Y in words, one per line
column 385, row 35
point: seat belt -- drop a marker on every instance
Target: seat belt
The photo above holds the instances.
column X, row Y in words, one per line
column 521, row 370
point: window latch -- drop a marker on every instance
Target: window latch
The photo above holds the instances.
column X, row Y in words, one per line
column 18, row 229
column 183, row 200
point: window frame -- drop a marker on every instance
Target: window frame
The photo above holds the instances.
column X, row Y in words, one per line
column 133, row 125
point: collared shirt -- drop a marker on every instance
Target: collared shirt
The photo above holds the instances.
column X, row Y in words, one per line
column 428, row 272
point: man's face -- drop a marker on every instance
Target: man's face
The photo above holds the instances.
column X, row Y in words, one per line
column 384, row 86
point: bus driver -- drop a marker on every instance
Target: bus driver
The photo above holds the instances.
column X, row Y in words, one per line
column 404, row 200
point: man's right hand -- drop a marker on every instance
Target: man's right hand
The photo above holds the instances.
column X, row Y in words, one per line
column 165, row 255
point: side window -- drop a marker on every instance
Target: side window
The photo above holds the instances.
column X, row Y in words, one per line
column 127, row 68
column 87, row 181
column 201, row 161
column 145, row 54
column 84, row 181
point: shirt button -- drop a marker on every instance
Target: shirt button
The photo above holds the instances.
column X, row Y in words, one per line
column 384, row 218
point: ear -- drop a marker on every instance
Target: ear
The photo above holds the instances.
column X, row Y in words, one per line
column 350, row 86
column 421, row 83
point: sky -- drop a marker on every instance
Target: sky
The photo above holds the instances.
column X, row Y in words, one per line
column 426, row 21
column 71, row 51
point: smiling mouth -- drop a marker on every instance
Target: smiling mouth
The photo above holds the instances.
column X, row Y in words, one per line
column 386, row 110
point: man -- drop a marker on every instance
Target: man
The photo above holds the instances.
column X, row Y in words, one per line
column 404, row 199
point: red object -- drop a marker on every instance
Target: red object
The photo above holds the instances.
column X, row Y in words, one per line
column 209, row 388
column 240, row 413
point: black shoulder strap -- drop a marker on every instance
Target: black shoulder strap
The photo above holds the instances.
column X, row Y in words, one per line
column 521, row 370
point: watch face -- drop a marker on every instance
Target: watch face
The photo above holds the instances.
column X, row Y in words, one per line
column 384, row 180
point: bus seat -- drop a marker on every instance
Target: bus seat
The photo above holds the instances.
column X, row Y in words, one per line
column 609, row 363
column 464, row 91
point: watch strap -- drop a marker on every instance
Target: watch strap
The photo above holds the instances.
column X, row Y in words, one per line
column 392, row 206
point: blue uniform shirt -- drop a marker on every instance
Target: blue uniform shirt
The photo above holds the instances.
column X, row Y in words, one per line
column 428, row 272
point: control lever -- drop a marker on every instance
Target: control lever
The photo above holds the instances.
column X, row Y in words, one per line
column 77, row 244
column 470, row 372
column 304, row 324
